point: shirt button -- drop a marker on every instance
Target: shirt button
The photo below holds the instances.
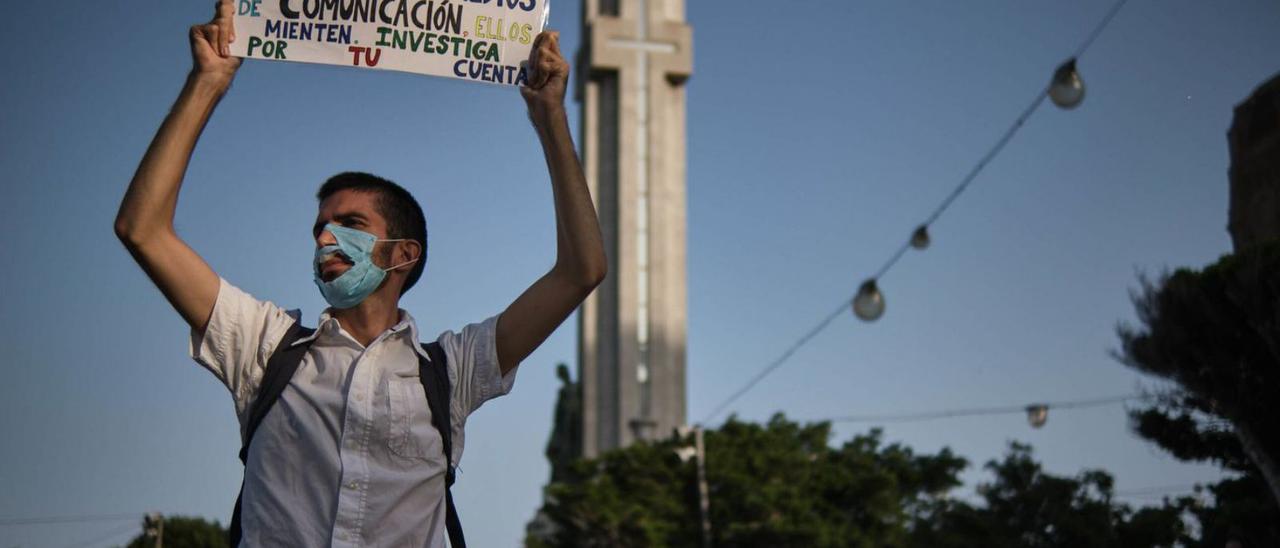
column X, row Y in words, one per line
column 359, row 397
column 352, row 485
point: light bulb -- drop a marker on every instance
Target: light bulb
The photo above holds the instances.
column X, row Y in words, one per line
column 1067, row 88
column 868, row 306
column 686, row 453
column 1037, row 415
column 920, row 238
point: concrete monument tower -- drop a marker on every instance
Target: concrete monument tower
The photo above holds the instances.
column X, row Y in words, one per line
column 635, row 59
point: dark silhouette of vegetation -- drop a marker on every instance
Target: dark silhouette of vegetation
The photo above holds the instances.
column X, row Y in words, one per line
column 783, row 484
column 1214, row 334
column 186, row 532
column 1025, row 506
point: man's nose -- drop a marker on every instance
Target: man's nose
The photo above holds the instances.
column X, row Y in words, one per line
column 325, row 238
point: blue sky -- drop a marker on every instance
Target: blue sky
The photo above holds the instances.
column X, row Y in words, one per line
column 819, row 135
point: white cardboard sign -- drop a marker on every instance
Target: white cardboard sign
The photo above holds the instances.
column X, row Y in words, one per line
column 483, row 40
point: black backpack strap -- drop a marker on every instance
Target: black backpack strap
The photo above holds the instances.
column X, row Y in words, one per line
column 434, row 376
column 280, row 369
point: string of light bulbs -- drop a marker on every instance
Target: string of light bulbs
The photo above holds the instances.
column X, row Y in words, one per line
column 1037, row 412
column 1065, row 89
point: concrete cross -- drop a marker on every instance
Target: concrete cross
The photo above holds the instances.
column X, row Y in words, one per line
column 666, row 53
column 639, row 53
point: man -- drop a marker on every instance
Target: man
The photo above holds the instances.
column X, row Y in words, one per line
column 348, row 455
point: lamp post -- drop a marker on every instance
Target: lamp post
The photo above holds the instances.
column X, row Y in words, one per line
column 698, row 451
column 153, row 528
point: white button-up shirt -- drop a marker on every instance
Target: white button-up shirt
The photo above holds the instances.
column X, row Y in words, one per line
column 348, row 455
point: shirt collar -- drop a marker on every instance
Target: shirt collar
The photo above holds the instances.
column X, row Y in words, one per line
column 329, row 325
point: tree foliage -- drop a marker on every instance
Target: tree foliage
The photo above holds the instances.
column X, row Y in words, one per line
column 1242, row 511
column 778, row 484
column 1214, row 334
column 186, row 532
column 784, row 484
column 1026, row 507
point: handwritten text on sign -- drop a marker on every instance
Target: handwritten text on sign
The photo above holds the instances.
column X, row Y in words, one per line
column 482, row 40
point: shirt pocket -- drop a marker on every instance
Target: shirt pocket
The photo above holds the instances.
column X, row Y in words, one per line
column 412, row 435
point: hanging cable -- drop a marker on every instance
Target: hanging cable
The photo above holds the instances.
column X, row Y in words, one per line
column 112, row 534
column 1156, row 491
column 70, row 519
column 1097, row 31
column 1066, row 90
column 968, row 179
column 973, row 496
column 777, row 362
column 985, row 411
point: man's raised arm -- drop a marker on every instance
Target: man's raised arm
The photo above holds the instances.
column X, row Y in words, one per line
column 145, row 220
column 580, row 260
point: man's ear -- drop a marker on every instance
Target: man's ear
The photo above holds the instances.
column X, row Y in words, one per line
column 408, row 250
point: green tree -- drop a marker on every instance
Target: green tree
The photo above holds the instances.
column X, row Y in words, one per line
column 1026, row 507
column 186, row 532
column 1214, row 334
column 1242, row 511
column 784, row 484
column 778, row 484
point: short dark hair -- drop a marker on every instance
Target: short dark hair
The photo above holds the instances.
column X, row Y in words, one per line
column 395, row 204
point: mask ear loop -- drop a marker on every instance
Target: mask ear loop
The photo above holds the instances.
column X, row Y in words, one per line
column 390, row 268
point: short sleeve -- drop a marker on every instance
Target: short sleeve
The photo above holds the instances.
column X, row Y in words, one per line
column 474, row 374
column 241, row 335
column 473, row 366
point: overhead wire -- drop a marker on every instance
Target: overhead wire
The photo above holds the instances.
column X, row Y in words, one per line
column 946, row 203
column 69, row 519
column 983, row 411
column 973, row 496
column 101, row 539
column 777, row 362
column 1157, row 490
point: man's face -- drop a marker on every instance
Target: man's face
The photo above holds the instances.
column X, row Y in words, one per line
column 352, row 209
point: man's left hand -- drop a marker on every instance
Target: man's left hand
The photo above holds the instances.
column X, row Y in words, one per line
column 548, row 78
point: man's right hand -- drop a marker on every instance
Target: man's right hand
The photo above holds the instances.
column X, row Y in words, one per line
column 211, row 47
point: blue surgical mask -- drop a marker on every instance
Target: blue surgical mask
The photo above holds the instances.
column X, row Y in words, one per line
column 359, row 281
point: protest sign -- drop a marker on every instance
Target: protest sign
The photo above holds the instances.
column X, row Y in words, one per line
column 484, row 40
